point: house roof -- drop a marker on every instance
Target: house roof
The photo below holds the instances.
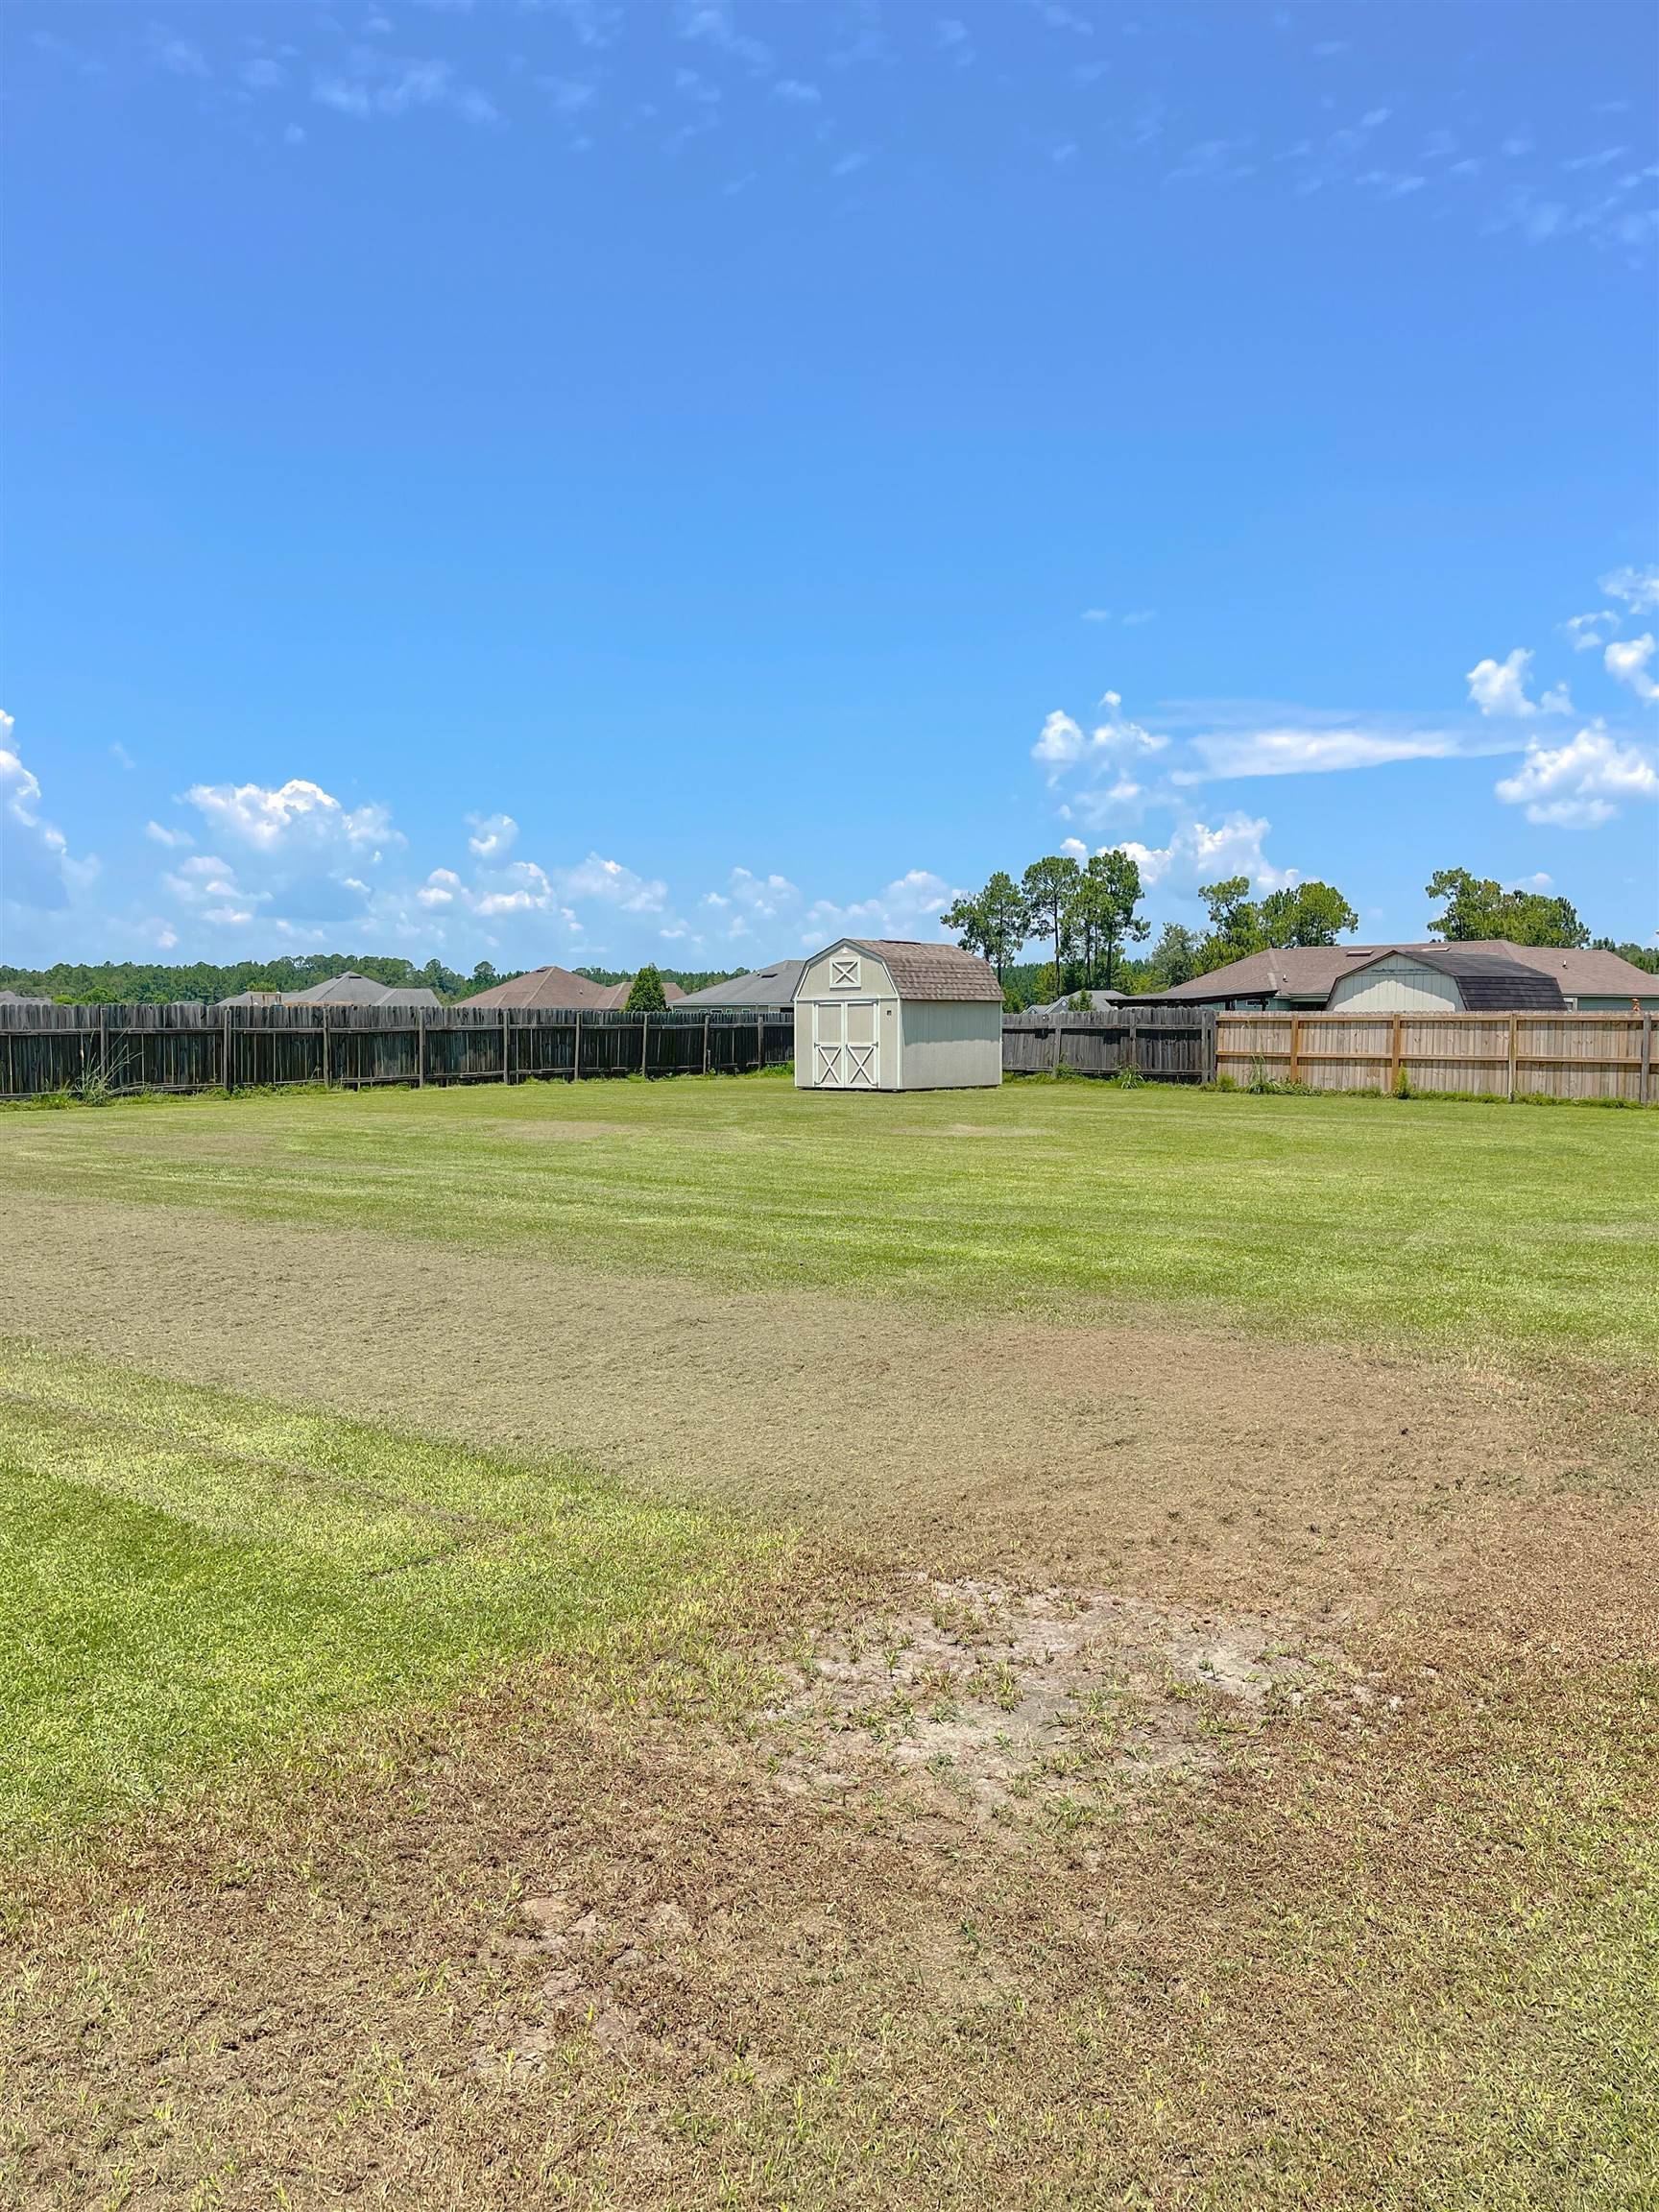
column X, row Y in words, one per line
column 1310, row 972
column 555, row 986
column 350, row 989
column 923, row 971
column 773, row 986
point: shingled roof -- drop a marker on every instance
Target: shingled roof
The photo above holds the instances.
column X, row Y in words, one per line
column 555, row 986
column 920, row 971
column 1310, row 973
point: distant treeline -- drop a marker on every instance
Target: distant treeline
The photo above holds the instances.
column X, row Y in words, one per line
column 155, row 983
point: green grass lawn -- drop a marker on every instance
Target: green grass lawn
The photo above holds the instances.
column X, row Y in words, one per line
column 1432, row 1225
column 189, row 1578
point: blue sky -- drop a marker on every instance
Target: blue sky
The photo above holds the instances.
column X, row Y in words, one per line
column 571, row 482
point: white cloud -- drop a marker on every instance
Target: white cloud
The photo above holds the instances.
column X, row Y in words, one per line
column 1638, row 588
column 441, row 888
column 1500, row 687
column 181, row 57
column 119, row 754
column 596, row 878
column 492, row 835
column 1583, row 630
column 36, row 867
column 1198, row 854
column 206, row 882
column 1628, row 664
column 1310, row 751
column 1063, row 743
column 290, row 815
column 1582, row 784
column 374, row 84
column 907, row 908
column 174, row 840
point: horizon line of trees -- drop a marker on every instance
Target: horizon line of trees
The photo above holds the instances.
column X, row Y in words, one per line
column 1086, row 914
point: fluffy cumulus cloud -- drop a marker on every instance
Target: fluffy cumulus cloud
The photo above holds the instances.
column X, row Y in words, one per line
column 1581, row 783
column 36, row 867
column 1500, row 687
column 209, row 887
column 1627, row 662
column 1115, row 741
column 1199, row 853
column 291, row 815
column 909, row 906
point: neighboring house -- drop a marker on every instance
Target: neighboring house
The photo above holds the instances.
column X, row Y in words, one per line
column 23, row 998
column 348, row 989
column 1100, row 1002
column 761, row 990
column 1478, row 977
column 558, row 987
column 884, row 1014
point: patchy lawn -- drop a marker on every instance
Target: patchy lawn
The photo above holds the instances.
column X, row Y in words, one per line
column 692, row 1646
column 1435, row 1225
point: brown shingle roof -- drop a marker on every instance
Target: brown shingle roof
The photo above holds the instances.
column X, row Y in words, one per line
column 920, row 971
column 558, row 987
column 1310, row 972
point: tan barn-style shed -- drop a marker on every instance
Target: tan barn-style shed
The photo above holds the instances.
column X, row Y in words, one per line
column 883, row 1014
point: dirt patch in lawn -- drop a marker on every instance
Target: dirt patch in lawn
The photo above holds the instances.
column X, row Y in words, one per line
column 1004, row 1704
column 1172, row 1465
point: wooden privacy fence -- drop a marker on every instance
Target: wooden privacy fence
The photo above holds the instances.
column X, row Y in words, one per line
column 1506, row 1055
column 1163, row 1043
column 191, row 1046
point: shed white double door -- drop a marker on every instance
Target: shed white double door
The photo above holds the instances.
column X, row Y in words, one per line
column 846, row 1044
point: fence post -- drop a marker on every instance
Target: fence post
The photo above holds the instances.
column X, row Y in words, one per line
column 419, row 1048
column 1514, row 1026
column 103, row 1048
column 324, row 1045
column 1295, row 1048
column 645, row 1041
column 576, row 1050
column 1394, row 1054
column 1644, row 1089
column 505, row 1076
column 704, row 1043
column 225, row 1067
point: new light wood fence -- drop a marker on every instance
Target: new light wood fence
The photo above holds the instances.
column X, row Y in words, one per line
column 1502, row 1055
column 190, row 1046
column 1163, row 1043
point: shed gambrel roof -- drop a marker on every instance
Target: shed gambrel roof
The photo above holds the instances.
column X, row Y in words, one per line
column 922, row 971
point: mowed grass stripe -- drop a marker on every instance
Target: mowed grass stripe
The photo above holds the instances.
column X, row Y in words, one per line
column 169, row 1606
column 1446, row 1226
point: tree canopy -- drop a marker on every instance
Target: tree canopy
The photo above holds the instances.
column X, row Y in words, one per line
column 646, row 994
column 1474, row 906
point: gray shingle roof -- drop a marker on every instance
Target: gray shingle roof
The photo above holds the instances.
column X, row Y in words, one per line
column 1310, row 972
column 922, row 971
column 773, row 986
column 555, row 986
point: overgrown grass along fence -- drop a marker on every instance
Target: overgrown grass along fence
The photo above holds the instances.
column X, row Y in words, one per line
column 99, row 1051
column 1590, row 1056
column 1162, row 1044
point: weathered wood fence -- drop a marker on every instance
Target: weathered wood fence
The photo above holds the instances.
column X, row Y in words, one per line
column 191, row 1046
column 1163, row 1043
column 1502, row 1055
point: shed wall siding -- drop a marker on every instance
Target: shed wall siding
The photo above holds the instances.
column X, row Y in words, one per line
column 1396, row 986
column 951, row 1045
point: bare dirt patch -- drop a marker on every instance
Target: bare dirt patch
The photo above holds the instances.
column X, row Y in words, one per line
column 1004, row 1704
column 1172, row 1464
